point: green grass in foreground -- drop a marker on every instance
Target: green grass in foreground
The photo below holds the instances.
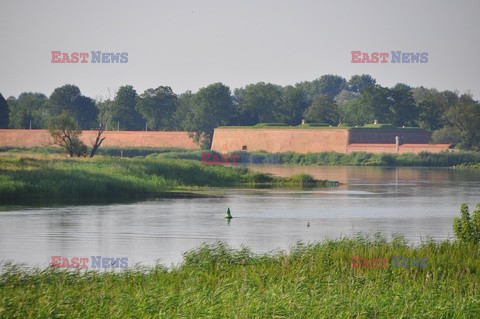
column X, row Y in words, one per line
column 311, row 281
column 54, row 178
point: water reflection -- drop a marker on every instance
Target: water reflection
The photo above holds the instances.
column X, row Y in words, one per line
column 415, row 202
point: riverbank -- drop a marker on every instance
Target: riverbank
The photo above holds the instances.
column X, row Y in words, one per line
column 56, row 178
column 310, row 281
column 424, row 159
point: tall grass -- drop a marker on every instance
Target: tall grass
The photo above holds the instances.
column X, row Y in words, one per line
column 54, row 178
column 425, row 159
column 215, row 281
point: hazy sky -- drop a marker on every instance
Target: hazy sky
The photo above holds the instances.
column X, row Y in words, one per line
column 190, row 44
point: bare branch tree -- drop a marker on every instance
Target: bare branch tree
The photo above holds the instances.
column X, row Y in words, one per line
column 103, row 118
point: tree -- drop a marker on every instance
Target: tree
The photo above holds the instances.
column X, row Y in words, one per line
column 374, row 104
column 182, row 115
column 447, row 135
column 323, row 110
column 157, row 107
column 258, row 102
column 210, row 107
column 123, row 114
column 403, row 107
column 4, row 112
column 465, row 116
column 65, row 133
column 26, row 111
column 290, row 106
column 395, row 106
column 327, row 84
column 86, row 113
column 358, row 83
column 342, row 100
column 68, row 98
column 103, row 118
column 432, row 106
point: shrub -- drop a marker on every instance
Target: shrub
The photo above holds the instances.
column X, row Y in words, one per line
column 467, row 228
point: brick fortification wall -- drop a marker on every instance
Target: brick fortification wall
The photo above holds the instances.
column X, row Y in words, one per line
column 280, row 140
column 31, row 138
column 316, row 140
column 227, row 140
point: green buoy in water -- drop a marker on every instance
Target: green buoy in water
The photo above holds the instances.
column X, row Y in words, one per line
column 228, row 214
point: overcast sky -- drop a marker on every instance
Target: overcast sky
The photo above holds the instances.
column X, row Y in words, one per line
column 193, row 43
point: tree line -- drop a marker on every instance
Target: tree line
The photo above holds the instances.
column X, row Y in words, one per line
column 329, row 100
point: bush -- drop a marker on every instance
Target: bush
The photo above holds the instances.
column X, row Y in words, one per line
column 467, row 228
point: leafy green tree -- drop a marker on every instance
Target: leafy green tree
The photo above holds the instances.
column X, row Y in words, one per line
column 86, row 112
column 432, row 106
column 4, row 112
column 394, row 106
column 26, row 111
column 66, row 133
column 346, row 96
column 210, row 107
column 465, row 116
column 290, row 106
column 68, row 98
column 374, row 104
column 157, row 107
column 327, row 84
column 123, row 114
column 404, row 109
column 358, row 83
column 323, row 110
column 258, row 102
column 447, row 135
column 182, row 115
column 342, row 100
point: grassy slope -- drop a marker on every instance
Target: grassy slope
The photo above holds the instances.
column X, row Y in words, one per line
column 313, row 281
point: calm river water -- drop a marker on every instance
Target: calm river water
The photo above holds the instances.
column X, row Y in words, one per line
column 415, row 202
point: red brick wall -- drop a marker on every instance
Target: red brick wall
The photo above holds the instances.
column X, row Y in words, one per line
column 30, row 138
column 227, row 140
column 280, row 140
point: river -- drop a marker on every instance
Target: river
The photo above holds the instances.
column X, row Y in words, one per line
column 415, row 202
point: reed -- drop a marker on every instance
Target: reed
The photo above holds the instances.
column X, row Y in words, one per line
column 215, row 281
